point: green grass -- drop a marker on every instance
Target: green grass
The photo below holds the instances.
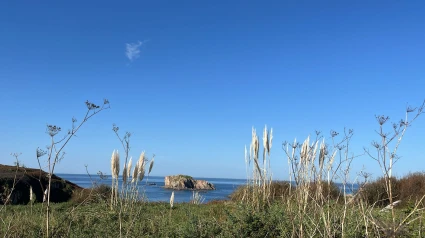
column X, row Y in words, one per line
column 97, row 220
column 261, row 208
column 215, row 219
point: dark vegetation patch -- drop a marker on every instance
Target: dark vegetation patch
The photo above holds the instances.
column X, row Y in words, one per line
column 23, row 178
column 409, row 189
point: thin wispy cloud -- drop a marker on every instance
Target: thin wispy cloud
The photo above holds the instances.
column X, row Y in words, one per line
column 132, row 50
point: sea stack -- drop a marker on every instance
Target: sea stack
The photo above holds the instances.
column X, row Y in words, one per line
column 181, row 182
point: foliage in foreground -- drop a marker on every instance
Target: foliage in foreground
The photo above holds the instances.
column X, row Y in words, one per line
column 310, row 205
column 218, row 219
column 408, row 189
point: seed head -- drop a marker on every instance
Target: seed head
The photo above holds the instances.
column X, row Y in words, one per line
column 322, row 154
column 270, row 139
column 141, row 164
column 265, row 139
column 135, row 172
column 115, row 164
column 32, row 195
column 254, row 144
column 124, row 173
column 151, row 164
column 305, row 149
column 129, row 167
column 172, row 200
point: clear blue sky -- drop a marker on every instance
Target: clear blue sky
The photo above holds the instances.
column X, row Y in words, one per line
column 199, row 74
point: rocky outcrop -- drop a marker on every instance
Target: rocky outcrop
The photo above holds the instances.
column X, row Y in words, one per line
column 187, row 182
column 203, row 185
column 23, row 178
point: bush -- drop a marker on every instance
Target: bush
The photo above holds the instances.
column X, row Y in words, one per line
column 375, row 193
column 244, row 221
column 97, row 194
column 408, row 189
column 278, row 190
column 329, row 191
column 412, row 188
column 239, row 193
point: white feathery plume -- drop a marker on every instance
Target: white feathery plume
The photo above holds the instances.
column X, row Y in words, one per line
column 141, row 164
column 115, row 164
column 124, row 173
column 135, row 172
column 265, row 139
column 151, row 164
column 129, row 167
column 172, row 200
column 32, row 195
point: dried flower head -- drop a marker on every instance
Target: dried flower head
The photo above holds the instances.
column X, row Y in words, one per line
column 305, row 150
column 32, row 195
column 265, row 139
column 172, row 200
column 129, row 167
column 115, row 164
column 322, row 154
column 254, row 144
column 124, row 173
column 151, row 164
column 135, row 172
column 141, row 164
column 270, row 139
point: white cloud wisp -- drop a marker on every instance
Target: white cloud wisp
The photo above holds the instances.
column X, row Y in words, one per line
column 132, row 50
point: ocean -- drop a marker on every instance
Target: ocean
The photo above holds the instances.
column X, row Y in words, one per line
column 224, row 187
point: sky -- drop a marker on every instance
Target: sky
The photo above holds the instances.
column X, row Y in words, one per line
column 189, row 79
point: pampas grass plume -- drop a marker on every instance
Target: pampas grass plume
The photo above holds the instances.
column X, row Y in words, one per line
column 115, row 164
column 124, row 173
column 129, row 167
column 265, row 139
column 135, row 172
column 141, row 164
column 172, row 200
column 32, row 195
column 255, row 144
column 151, row 164
column 270, row 139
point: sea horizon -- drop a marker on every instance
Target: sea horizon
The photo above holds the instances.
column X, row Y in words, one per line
column 153, row 187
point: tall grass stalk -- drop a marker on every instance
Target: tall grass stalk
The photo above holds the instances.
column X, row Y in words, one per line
column 55, row 151
column 172, row 200
column 312, row 169
column 258, row 192
column 129, row 194
column 115, row 168
column 386, row 156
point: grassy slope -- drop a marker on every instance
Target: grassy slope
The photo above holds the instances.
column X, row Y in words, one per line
column 219, row 219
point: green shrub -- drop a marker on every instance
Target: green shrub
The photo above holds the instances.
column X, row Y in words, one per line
column 97, row 194
column 412, row 188
column 408, row 189
column 278, row 190
column 329, row 191
column 375, row 193
column 244, row 221
column 281, row 190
